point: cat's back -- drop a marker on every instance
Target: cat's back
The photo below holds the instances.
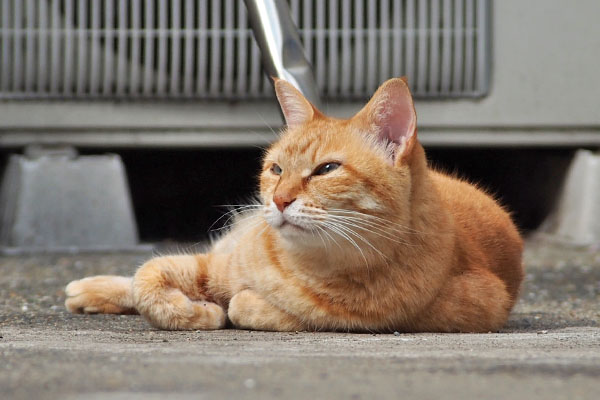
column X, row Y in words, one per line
column 486, row 234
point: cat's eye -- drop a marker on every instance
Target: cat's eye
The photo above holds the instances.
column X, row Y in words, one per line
column 276, row 169
column 326, row 168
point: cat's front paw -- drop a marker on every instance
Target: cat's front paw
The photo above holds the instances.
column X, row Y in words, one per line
column 100, row 295
column 248, row 310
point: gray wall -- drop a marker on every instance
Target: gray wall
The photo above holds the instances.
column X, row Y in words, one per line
column 545, row 89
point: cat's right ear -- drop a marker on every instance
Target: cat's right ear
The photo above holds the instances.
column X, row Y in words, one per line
column 296, row 109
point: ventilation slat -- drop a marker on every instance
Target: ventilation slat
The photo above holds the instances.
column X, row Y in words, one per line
column 384, row 47
column 333, row 74
column 215, row 42
column 55, row 65
column 69, row 44
column 6, row 39
column 359, row 48
column 446, row 75
column 107, row 77
column 482, row 47
column 457, row 33
column 243, row 36
column 306, row 29
column 228, row 56
column 434, row 47
column 469, row 49
column 397, row 41
column 202, row 46
column 95, row 50
column 422, row 34
column 161, row 84
column 320, row 45
column 409, row 61
column 188, row 50
column 372, row 34
column 82, row 46
column 29, row 45
column 204, row 49
column 42, row 71
column 123, row 18
column 134, row 72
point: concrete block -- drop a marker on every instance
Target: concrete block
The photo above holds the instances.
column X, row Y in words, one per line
column 57, row 201
column 575, row 219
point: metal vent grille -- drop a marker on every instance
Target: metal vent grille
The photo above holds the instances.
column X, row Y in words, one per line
column 204, row 48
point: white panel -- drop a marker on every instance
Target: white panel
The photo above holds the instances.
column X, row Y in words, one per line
column 107, row 78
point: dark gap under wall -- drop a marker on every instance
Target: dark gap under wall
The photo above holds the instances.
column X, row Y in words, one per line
column 177, row 193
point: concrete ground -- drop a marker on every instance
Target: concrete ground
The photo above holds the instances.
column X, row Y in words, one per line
column 550, row 348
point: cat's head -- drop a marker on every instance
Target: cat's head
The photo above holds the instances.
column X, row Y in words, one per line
column 330, row 177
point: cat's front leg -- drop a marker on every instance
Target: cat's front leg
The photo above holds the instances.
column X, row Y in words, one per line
column 103, row 294
column 248, row 310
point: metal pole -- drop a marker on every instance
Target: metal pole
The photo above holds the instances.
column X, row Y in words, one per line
column 280, row 46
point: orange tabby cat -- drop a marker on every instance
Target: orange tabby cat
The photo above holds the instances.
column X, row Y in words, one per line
column 354, row 233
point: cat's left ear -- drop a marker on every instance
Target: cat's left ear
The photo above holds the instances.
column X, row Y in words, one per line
column 296, row 109
column 390, row 114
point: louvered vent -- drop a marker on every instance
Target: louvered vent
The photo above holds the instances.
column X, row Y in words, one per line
column 204, row 49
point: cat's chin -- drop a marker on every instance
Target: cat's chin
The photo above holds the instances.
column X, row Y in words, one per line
column 299, row 236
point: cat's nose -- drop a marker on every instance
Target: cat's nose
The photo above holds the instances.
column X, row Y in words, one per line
column 282, row 201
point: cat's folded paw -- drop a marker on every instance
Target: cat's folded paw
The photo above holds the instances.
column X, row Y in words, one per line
column 99, row 295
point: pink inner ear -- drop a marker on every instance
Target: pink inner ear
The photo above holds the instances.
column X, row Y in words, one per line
column 396, row 118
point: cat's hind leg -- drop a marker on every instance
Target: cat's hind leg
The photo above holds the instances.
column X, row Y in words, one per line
column 475, row 301
column 104, row 294
column 170, row 292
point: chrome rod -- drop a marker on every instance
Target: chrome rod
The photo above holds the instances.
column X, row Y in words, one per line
column 282, row 52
